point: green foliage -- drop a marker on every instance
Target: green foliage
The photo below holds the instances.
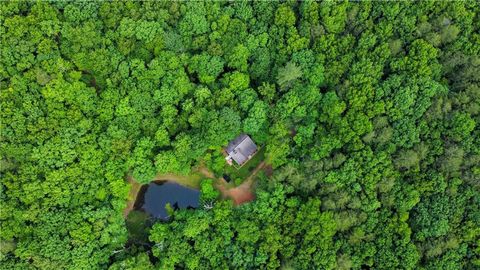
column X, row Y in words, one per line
column 368, row 114
column 286, row 75
column 137, row 223
column 280, row 224
column 461, row 125
column 138, row 262
column 208, row 192
column 207, row 67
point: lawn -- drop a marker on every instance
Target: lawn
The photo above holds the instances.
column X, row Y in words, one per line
column 245, row 171
column 192, row 180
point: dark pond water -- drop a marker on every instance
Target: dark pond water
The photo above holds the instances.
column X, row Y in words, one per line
column 154, row 197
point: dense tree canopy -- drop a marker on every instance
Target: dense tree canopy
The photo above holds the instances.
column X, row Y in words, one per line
column 369, row 113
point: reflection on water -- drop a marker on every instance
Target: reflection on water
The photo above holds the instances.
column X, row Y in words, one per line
column 154, row 197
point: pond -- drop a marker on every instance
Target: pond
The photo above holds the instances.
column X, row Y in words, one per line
column 155, row 196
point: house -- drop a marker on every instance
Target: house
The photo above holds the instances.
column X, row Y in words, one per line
column 241, row 149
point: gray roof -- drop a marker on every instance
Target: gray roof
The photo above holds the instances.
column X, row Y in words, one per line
column 241, row 148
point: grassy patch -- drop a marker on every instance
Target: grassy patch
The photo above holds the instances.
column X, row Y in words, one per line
column 192, row 180
column 246, row 169
column 132, row 195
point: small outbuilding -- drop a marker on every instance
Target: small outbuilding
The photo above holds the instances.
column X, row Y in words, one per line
column 241, row 149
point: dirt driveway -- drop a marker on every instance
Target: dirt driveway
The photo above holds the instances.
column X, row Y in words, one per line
column 244, row 192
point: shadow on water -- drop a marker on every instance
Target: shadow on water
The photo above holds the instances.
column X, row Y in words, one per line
column 154, row 197
column 149, row 208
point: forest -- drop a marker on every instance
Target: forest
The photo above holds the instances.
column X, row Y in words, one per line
column 368, row 114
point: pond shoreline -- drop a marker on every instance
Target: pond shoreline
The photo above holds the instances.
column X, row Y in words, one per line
column 191, row 181
column 240, row 194
column 132, row 195
column 159, row 198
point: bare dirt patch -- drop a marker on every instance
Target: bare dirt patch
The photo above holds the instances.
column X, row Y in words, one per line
column 241, row 195
column 244, row 192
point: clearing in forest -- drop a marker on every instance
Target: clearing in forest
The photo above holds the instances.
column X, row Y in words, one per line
column 240, row 194
column 244, row 192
